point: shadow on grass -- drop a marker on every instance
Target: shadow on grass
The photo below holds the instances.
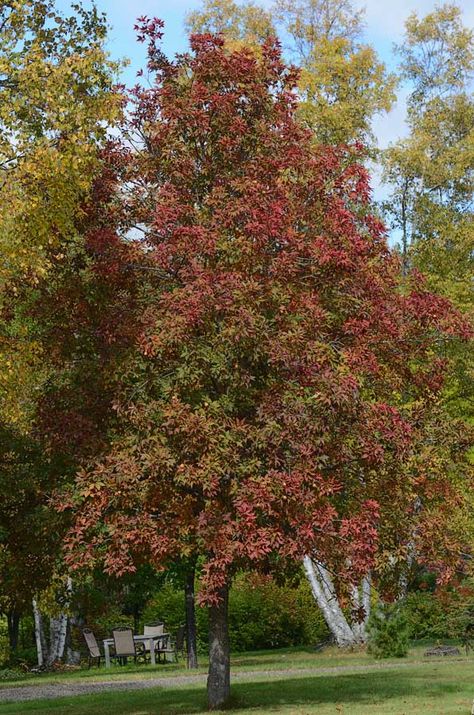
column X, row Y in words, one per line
column 356, row 690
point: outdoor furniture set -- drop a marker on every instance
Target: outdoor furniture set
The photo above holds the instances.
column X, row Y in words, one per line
column 153, row 646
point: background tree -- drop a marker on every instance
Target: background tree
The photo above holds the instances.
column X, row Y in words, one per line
column 430, row 172
column 56, row 102
column 342, row 84
column 30, row 531
column 242, row 25
column 259, row 417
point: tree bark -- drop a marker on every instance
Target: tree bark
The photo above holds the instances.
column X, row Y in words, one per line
column 41, row 646
column 366, row 587
column 190, row 609
column 51, row 650
column 218, row 681
column 57, row 638
column 321, row 586
column 361, row 600
column 13, row 620
column 73, row 657
column 58, row 628
column 345, row 634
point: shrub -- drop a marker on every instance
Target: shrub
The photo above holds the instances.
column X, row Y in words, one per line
column 426, row 616
column 458, row 604
column 389, row 632
column 4, row 645
column 9, row 674
column 447, row 613
column 25, row 655
column 262, row 614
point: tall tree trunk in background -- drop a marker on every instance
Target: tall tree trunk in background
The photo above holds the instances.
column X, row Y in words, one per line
column 73, row 657
column 345, row 634
column 57, row 639
column 190, row 609
column 404, row 220
column 218, row 681
column 13, row 620
column 41, row 645
column 51, row 650
column 75, row 620
column 361, row 602
column 136, row 619
column 58, row 628
column 366, row 589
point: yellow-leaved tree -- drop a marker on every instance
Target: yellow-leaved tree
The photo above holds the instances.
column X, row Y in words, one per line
column 57, row 99
column 343, row 84
column 430, row 173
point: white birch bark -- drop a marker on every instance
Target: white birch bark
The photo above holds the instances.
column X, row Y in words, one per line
column 57, row 638
column 361, row 599
column 324, row 592
column 52, row 651
column 39, row 634
column 366, row 587
column 330, row 609
column 73, row 657
column 357, row 626
column 58, row 631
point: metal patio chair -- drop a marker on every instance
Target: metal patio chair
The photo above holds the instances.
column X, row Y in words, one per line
column 93, row 647
column 173, row 646
column 153, row 629
column 124, row 645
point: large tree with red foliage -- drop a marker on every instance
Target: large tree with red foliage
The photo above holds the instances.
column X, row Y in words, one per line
column 279, row 376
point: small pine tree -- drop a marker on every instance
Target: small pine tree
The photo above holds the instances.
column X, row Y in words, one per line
column 389, row 632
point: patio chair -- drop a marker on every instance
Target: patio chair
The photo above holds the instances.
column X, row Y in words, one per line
column 156, row 628
column 180, row 641
column 94, row 651
column 172, row 646
column 124, row 645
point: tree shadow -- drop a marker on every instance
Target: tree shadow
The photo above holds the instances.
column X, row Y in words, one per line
column 355, row 689
column 362, row 689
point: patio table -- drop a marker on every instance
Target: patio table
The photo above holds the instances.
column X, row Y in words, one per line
column 151, row 640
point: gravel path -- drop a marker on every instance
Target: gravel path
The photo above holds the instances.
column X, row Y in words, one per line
column 64, row 689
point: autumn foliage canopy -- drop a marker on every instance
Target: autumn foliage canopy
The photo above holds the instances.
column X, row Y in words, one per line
column 277, row 389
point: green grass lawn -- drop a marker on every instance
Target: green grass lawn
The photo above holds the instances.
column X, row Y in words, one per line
column 410, row 687
column 283, row 658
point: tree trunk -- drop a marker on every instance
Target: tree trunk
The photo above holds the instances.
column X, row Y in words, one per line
column 73, row 657
column 361, row 600
column 345, row 634
column 218, row 681
column 41, row 646
column 57, row 638
column 136, row 619
column 357, row 627
column 58, row 629
column 366, row 587
column 190, row 608
column 13, row 619
column 50, row 653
